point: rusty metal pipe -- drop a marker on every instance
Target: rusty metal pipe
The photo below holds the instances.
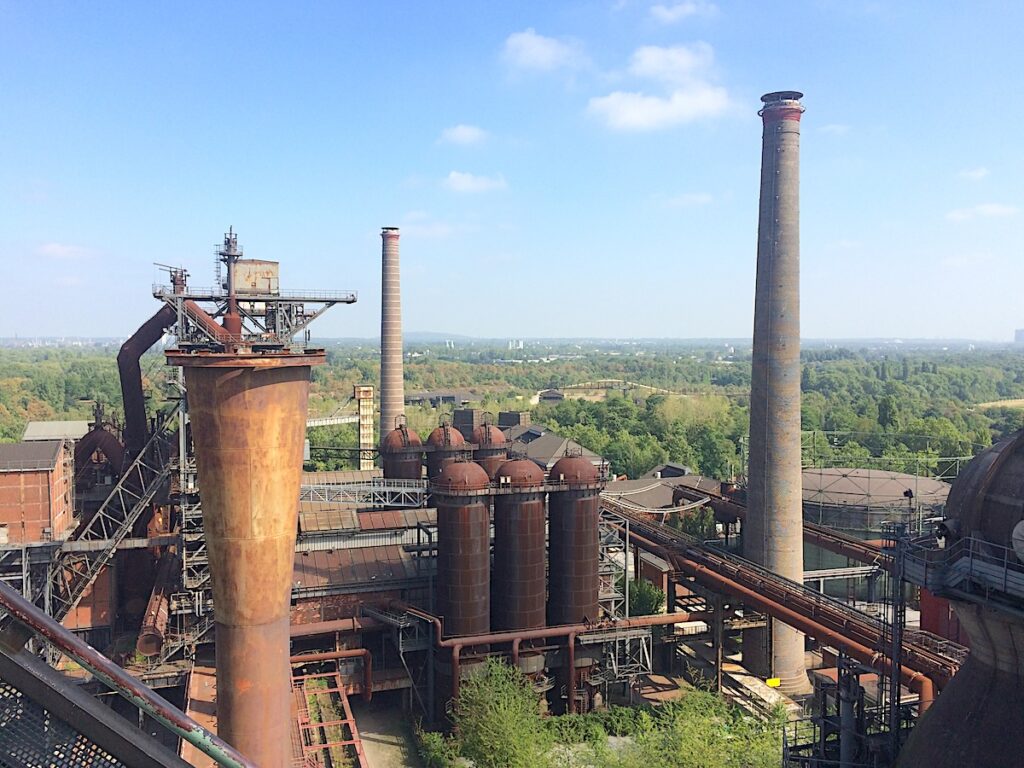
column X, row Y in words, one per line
column 570, row 703
column 721, row 584
column 248, row 415
column 130, row 373
column 154, row 625
column 346, row 653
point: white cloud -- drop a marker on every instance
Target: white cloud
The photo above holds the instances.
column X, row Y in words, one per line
column 679, row 64
column 974, row 174
column 530, row 51
column 624, row 111
column 671, row 14
column 684, row 70
column 63, row 251
column 835, row 129
column 463, row 134
column 457, row 181
column 689, row 200
column 982, row 211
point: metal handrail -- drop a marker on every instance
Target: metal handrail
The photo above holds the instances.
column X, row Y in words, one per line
column 114, row 677
column 167, row 291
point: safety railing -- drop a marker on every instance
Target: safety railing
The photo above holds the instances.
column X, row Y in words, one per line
column 37, row 625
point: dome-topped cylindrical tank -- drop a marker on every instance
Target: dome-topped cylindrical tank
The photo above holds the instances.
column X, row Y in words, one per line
column 447, row 444
column 491, row 448
column 518, row 579
column 399, row 456
column 463, row 548
column 573, row 541
column 976, row 720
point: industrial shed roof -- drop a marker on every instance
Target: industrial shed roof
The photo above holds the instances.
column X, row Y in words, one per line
column 838, row 486
column 55, row 430
column 357, row 565
column 30, row 456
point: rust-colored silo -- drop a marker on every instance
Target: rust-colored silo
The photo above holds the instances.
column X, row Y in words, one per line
column 518, row 578
column 248, row 415
column 447, row 444
column 491, row 448
column 573, row 541
column 463, row 548
column 399, row 454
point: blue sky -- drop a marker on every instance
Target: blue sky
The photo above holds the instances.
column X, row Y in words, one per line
column 557, row 169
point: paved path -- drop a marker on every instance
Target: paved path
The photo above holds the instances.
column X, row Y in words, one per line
column 386, row 733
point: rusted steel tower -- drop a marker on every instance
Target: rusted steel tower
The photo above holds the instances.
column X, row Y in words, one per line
column 248, row 414
column 773, row 529
column 519, row 528
column 392, row 387
column 574, row 547
column 463, row 548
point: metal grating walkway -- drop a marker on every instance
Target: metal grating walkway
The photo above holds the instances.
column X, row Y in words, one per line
column 32, row 737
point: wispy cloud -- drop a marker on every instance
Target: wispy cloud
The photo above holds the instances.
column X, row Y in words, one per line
column 974, row 174
column 463, row 134
column 684, row 71
column 982, row 211
column 835, row 129
column 676, row 12
column 528, row 50
column 63, row 251
column 689, row 200
column 457, row 181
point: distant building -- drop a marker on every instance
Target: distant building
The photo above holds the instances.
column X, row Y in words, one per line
column 670, row 469
column 550, row 396
column 508, row 419
column 55, row 430
column 440, row 397
column 544, row 447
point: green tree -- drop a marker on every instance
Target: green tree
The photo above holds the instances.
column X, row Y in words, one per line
column 497, row 719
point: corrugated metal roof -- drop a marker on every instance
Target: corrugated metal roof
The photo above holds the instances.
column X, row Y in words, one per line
column 396, row 518
column 357, row 565
column 31, row 456
column 55, row 430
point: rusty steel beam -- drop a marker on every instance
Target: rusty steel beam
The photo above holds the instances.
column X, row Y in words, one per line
column 248, row 415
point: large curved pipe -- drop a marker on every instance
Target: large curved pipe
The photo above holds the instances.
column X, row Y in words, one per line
column 154, row 624
column 148, row 334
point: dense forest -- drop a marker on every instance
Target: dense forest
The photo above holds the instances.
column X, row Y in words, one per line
column 915, row 406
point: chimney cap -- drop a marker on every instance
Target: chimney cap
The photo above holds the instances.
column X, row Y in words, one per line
column 776, row 96
column 389, row 229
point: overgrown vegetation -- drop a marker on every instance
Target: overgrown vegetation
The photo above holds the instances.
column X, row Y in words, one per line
column 497, row 723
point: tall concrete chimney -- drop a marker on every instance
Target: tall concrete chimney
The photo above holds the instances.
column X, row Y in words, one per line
column 248, row 415
column 392, row 386
column 773, row 529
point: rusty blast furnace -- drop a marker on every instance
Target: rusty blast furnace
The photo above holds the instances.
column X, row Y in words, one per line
column 248, row 417
column 773, row 530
